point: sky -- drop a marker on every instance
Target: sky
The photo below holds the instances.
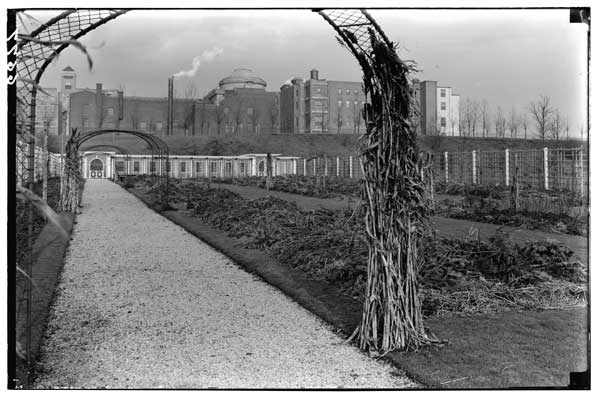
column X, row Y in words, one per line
column 508, row 57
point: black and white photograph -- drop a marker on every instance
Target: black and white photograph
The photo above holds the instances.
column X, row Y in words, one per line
column 356, row 196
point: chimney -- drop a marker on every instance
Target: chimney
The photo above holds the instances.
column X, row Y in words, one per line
column 170, row 107
column 99, row 105
column 120, row 94
column 314, row 74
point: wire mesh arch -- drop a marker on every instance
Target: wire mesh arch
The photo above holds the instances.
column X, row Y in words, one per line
column 159, row 149
column 34, row 52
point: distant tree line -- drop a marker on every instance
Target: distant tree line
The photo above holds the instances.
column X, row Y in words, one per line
column 539, row 119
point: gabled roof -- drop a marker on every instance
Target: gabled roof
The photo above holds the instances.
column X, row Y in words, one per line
column 68, row 69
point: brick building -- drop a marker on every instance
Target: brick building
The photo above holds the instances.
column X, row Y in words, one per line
column 335, row 107
column 321, row 106
column 241, row 105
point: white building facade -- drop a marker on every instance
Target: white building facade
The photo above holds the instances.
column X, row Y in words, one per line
column 448, row 117
column 106, row 164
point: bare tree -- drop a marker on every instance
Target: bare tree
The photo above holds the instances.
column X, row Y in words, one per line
column 255, row 115
column 466, row 116
column 273, row 114
column 524, row 122
column 541, row 112
column 356, row 117
column 556, row 125
column 202, row 116
column 500, row 123
column 484, row 118
column 340, row 119
column 238, row 117
column 189, row 94
column 220, row 116
column 513, row 123
column 475, row 111
column 134, row 115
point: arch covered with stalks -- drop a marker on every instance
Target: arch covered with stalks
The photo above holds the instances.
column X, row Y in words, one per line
column 394, row 193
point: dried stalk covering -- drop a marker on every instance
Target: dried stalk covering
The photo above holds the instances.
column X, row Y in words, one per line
column 72, row 180
column 396, row 206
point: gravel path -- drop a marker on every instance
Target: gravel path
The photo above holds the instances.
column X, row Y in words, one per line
column 143, row 304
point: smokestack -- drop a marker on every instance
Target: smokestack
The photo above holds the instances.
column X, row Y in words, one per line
column 314, row 74
column 170, row 107
column 120, row 99
column 99, row 105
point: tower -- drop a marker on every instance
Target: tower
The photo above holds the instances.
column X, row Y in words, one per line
column 68, row 80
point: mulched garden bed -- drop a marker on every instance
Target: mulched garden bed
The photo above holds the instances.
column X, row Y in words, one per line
column 457, row 276
column 484, row 210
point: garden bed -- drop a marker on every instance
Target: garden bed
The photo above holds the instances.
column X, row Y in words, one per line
column 488, row 211
column 457, row 275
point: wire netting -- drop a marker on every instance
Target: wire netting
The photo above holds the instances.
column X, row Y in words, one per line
column 35, row 50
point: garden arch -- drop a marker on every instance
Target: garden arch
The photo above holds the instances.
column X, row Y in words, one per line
column 159, row 149
column 388, row 147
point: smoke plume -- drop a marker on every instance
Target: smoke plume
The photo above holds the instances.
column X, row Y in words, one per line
column 199, row 60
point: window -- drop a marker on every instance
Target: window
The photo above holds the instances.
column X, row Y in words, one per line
column 443, row 104
column 169, row 165
column 120, row 166
column 443, row 122
column 68, row 86
column 152, row 166
column 339, row 103
column 136, row 167
column 86, row 110
column 347, row 104
column 213, row 167
column 319, row 90
column 182, row 166
column 67, row 77
column 355, row 103
column 347, row 91
column 159, row 126
column 228, row 168
column 143, row 125
column 242, row 168
column 250, row 111
column 355, row 92
column 443, row 92
column 110, row 111
column 339, row 91
column 200, row 167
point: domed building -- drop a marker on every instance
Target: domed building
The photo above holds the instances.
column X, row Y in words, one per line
column 242, row 78
column 246, row 105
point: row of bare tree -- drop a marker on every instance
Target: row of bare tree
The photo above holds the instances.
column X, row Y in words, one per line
column 546, row 120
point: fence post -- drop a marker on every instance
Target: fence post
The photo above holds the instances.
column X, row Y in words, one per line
column 474, row 167
column 304, row 167
column 507, row 166
column 581, row 171
column 315, row 165
column 546, row 184
column 350, row 166
column 337, row 166
column 446, row 167
column 325, row 166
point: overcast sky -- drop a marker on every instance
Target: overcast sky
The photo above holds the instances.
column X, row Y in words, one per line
column 508, row 57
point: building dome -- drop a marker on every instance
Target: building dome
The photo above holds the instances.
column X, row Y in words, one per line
column 242, row 78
